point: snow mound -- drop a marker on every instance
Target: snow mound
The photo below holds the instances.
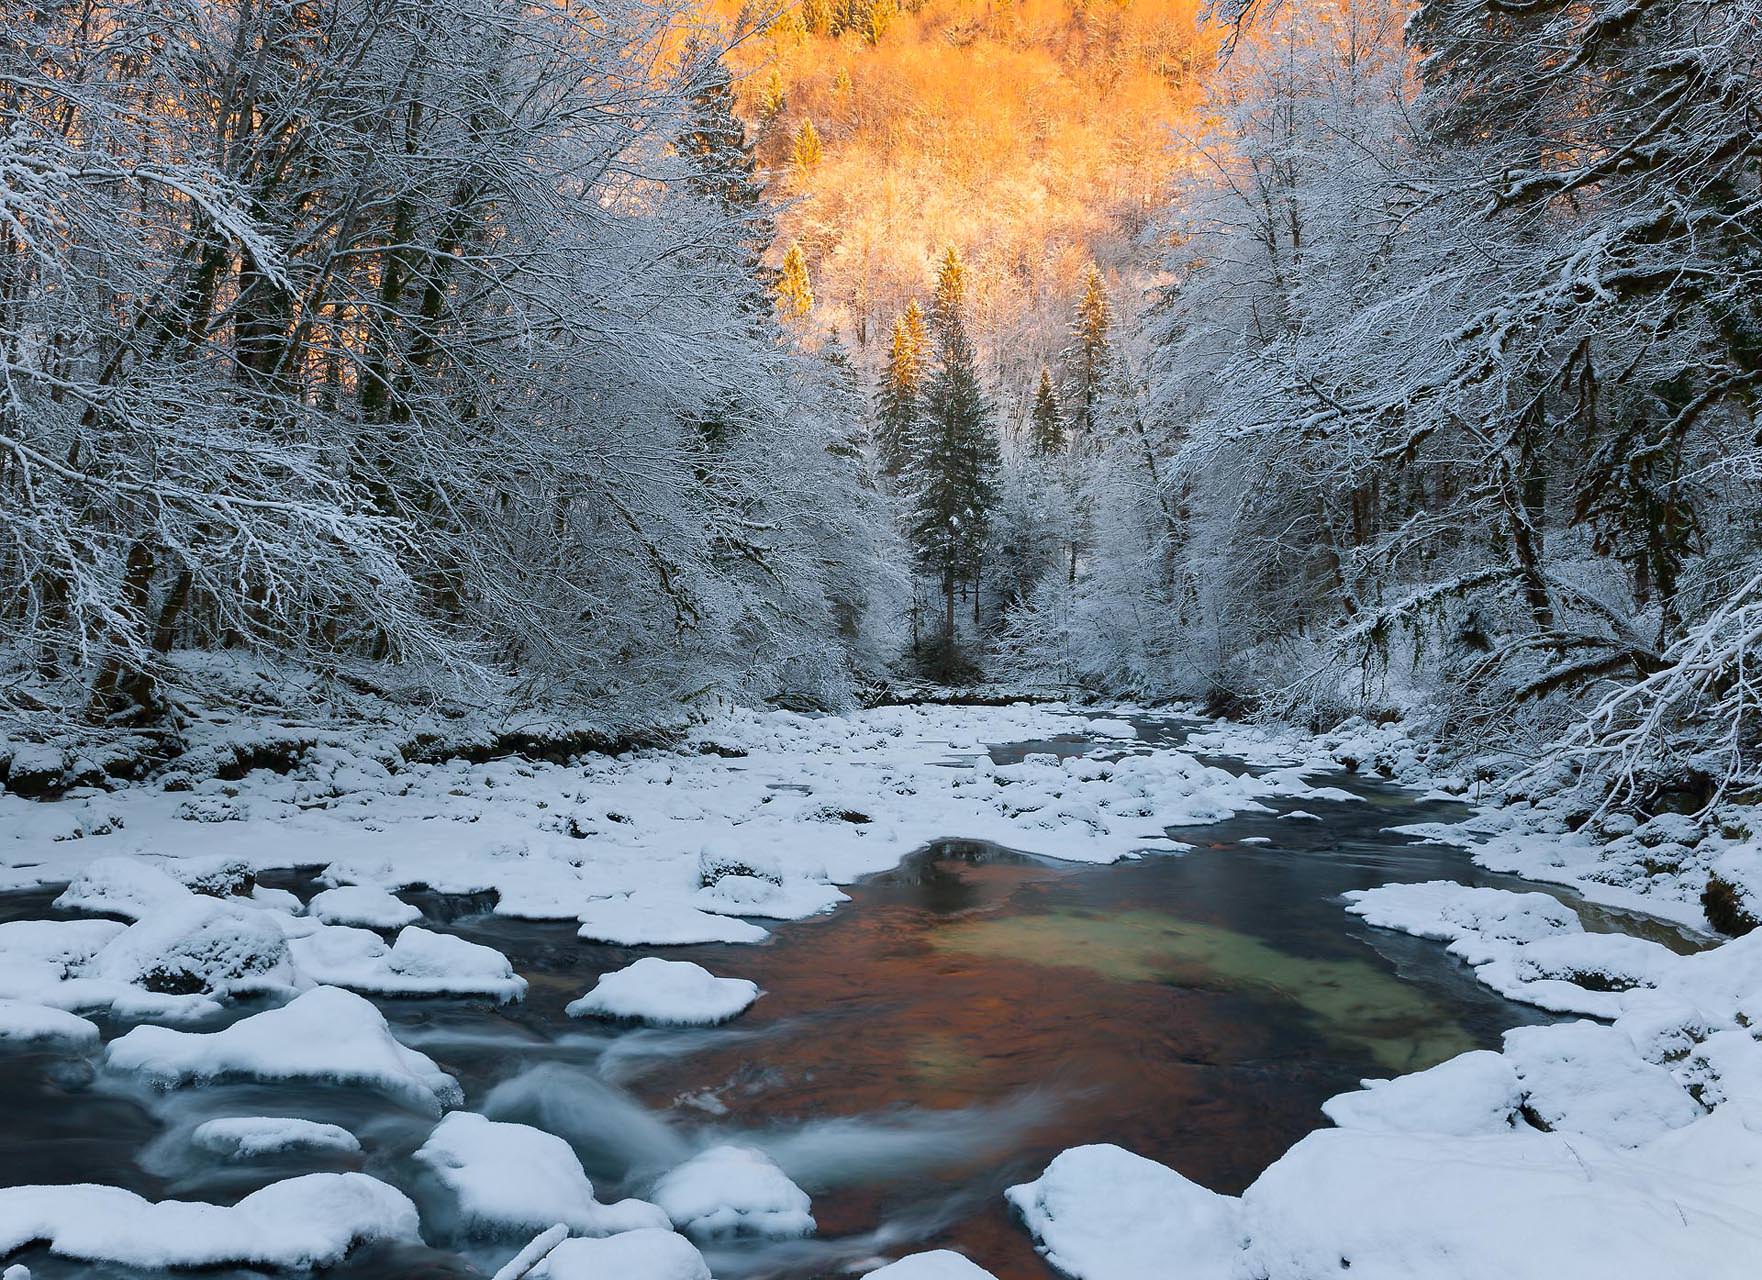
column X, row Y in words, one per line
column 734, row 1191
column 937, row 1264
column 325, row 1034
column 53, row 962
column 362, row 905
column 126, row 887
column 1583, row 1077
column 251, row 1137
column 199, row 946
column 1398, row 1206
column 794, row 899
column 665, row 993
column 651, row 918
column 1474, row 1092
column 648, row 1254
column 418, row 963
column 24, row 1023
column 514, row 1179
column 305, row 1222
column 1102, row 1213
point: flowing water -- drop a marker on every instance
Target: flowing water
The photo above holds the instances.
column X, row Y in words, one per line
column 963, row 1019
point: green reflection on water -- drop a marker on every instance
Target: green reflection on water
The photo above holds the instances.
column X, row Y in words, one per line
column 1351, row 1000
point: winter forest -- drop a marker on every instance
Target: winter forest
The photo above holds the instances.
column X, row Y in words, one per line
column 673, row 469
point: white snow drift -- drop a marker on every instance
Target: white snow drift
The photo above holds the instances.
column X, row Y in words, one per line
column 665, row 993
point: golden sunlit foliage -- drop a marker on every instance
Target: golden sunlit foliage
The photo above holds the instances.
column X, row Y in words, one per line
column 1031, row 134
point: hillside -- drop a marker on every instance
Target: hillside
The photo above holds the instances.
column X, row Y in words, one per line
column 1034, row 137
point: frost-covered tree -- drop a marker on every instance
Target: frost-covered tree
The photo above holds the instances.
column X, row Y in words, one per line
column 1046, row 424
column 902, row 380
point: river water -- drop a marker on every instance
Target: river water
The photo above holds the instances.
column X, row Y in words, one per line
column 943, row 1035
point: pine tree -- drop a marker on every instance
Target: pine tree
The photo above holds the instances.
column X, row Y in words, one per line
column 806, row 151
column 951, row 290
column 1047, row 429
column 772, row 96
column 795, row 294
column 901, row 384
column 816, row 16
column 1088, row 358
column 722, row 166
column 955, row 471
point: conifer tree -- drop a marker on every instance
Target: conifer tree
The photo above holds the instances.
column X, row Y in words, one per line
column 954, row 474
column 1047, row 426
column 1088, row 358
column 901, row 383
column 806, row 151
column 795, row 294
column 772, row 96
column 816, row 16
column 722, row 166
column 951, row 291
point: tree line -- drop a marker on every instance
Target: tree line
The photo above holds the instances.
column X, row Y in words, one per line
column 426, row 331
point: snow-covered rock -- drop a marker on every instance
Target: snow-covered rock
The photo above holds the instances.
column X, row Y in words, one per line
column 647, row 1254
column 301, row 1223
column 658, row 919
column 364, row 906
column 1102, row 1213
column 122, row 886
column 326, row 1034
column 666, row 993
column 22, row 1022
column 513, row 1179
column 1474, row 1092
column 734, row 1191
column 937, row 1264
column 419, row 962
column 252, row 1137
column 199, row 946
column 1583, row 1077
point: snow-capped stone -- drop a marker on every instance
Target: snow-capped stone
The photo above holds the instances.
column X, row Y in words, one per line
column 734, row 1191
column 657, row 919
column 665, row 993
column 252, row 1137
column 1102, row 1213
column 301, row 1223
column 127, row 887
column 326, row 1034
column 199, row 945
column 364, row 906
column 937, row 1264
column 1474, row 1092
column 647, row 1254
column 418, row 963
column 1584, row 1077
column 515, row 1179
column 22, row 1022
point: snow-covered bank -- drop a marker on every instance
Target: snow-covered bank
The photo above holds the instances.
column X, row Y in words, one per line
column 758, row 815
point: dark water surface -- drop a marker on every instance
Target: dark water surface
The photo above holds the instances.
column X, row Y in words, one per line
column 963, row 1019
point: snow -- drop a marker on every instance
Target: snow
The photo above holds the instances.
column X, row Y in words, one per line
column 937, row 1264
column 514, row 1179
column 418, row 963
column 301, row 1223
column 1102, row 1213
column 814, row 802
column 734, row 1191
column 648, row 1254
column 24, row 1023
column 326, row 1034
column 199, row 945
column 362, row 905
column 250, row 1137
column 1474, row 1092
column 649, row 918
column 1584, row 1077
column 666, row 993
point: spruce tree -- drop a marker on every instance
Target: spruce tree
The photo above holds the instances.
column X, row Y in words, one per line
column 901, row 383
column 806, row 151
column 1047, row 428
column 795, row 294
column 1088, row 358
column 722, row 166
column 816, row 16
column 955, row 471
